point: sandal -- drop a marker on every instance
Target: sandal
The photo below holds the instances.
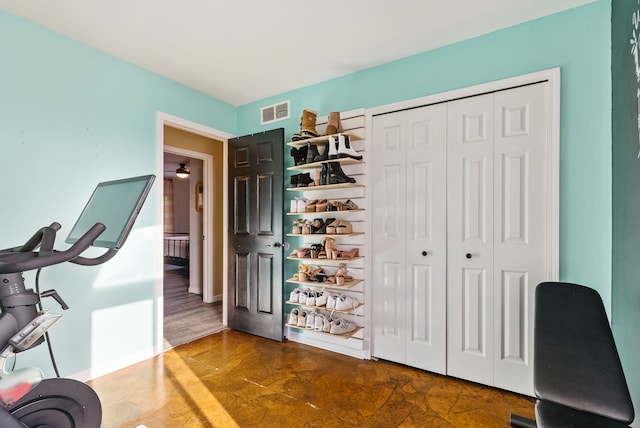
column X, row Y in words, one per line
column 311, row 206
column 348, row 255
column 297, row 227
column 350, row 205
column 343, row 272
column 317, row 226
column 306, row 227
column 331, row 228
column 301, row 253
column 322, row 205
column 303, row 272
column 344, row 228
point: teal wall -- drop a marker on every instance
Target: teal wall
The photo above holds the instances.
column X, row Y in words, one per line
column 71, row 116
column 578, row 42
column 625, row 294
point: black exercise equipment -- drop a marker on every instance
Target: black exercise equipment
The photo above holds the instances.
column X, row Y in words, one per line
column 26, row 399
column 578, row 378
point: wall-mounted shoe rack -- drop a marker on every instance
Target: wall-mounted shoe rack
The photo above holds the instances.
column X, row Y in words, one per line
column 355, row 343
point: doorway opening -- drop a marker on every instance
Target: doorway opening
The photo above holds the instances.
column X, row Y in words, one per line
column 191, row 286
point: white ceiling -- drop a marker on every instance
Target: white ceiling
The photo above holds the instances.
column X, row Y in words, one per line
column 241, row 51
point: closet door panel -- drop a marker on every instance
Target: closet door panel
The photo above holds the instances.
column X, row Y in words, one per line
column 388, row 276
column 425, row 251
column 520, row 209
column 470, row 305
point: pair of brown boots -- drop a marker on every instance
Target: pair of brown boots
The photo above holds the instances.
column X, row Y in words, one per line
column 308, row 125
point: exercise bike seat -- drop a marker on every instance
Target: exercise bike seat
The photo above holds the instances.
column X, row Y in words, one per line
column 578, row 376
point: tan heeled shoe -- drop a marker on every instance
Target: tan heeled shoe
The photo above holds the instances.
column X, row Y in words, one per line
column 348, row 255
column 331, row 228
column 344, row 227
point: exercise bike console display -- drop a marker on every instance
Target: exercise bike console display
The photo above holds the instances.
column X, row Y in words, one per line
column 26, row 398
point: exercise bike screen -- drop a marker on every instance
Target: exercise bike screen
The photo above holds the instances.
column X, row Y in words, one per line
column 115, row 204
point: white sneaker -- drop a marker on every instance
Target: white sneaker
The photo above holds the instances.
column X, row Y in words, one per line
column 346, row 303
column 341, row 326
column 293, row 317
column 311, row 298
column 321, row 298
column 301, row 205
column 331, row 301
column 302, row 319
column 293, row 297
column 317, row 326
column 326, row 325
column 311, row 321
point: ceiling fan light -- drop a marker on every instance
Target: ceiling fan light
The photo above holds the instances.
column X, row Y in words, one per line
column 183, row 171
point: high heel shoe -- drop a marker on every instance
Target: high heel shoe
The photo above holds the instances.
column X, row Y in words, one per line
column 329, row 247
column 345, row 150
column 297, row 227
column 336, row 175
column 331, row 227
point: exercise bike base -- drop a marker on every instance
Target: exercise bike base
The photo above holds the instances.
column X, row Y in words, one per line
column 59, row 403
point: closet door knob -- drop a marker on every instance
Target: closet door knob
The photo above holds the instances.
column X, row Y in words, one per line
column 469, row 255
column 424, row 253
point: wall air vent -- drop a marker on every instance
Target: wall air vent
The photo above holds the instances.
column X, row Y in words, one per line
column 274, row 113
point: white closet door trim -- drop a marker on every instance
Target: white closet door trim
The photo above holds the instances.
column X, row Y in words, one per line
column 553, row 77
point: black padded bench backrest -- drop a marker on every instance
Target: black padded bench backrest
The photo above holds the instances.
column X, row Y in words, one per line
column 576, row 360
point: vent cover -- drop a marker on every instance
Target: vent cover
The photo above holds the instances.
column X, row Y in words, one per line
column 274, row 113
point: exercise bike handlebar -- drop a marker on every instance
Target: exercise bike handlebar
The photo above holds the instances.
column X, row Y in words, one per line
column 21, row 259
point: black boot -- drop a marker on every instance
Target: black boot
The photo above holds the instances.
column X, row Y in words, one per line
column 304, row 179
column 294, row 180
column 336, row 175
column 324, row 173
column 312, row 153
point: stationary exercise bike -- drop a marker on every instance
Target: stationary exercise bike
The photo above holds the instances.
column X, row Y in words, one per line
column 26, row 398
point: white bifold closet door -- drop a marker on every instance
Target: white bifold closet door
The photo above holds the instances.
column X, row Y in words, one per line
column 459, row 235
column 497, row 231
column 409, row 242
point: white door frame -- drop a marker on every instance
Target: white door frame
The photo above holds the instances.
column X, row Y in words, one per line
column 163, row 119
column 553, row 213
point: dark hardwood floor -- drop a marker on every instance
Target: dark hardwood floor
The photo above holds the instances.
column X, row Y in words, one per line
column 186, row 317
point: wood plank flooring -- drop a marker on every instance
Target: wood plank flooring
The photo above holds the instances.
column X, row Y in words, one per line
column 186, row 317
column 232, row 379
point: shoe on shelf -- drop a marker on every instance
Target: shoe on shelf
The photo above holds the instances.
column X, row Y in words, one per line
column 307, row 125
column 345, row 150
column 344, row 227
column 293, row 317
column 336, row 175
column 321, row 298
column 302, row 319
column 335, row 125
column 319, row 323
column 346, row 303
column 322, row 206
column 332, row 148
column 293, row 296
column 324, row 174
column 326, row 325
column 305, row 180
column 331, row 301
column 350, row 205
column 299, row 155
column 312, row 153
column 341, row 326
column 311, row 321
column 297, row 227
column 332, row 229
column 301, row 205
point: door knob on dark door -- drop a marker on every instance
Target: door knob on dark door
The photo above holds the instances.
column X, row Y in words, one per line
column 469, row 255
column 425, row 253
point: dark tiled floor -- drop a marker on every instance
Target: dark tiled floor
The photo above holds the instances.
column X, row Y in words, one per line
column 235, row 379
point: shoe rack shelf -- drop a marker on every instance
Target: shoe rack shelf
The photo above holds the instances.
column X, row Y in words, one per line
column 323, row 261
column 328, row 285
column 322, row 333
column 325, row 187
column 355, row 343
column 325, row 213
column 333, row 235
column 323, row 139
column 341, row 161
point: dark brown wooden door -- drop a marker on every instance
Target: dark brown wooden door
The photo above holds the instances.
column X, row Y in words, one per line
column 255, row 234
